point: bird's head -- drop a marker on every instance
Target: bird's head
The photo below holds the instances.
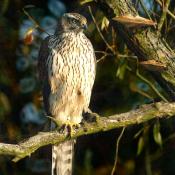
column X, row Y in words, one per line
column 73, row 22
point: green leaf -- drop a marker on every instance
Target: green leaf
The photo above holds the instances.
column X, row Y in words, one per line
column 121, row 70
column 140, row 145
column 82, row 2
column 156, row 134
column 104, row 23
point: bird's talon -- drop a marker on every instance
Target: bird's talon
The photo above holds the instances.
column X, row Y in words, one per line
column 70, row 127
column 62, row 129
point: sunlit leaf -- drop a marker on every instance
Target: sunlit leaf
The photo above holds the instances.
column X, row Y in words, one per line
column 82, row 2
column 121, row 70
column 156, row 134
column 105, row 23
column 140, row 145
column 28, row 38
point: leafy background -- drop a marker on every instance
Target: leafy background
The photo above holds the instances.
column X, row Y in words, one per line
column 147, row 149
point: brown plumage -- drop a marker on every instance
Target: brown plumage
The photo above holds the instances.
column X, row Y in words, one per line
column 67, row 68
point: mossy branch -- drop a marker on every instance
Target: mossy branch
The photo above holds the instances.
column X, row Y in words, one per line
column 136, row 116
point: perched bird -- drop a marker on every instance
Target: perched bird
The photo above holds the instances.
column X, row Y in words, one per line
column 66, row 66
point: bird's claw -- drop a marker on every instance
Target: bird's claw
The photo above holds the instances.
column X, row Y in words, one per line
column 66, row 127
column 70, row 127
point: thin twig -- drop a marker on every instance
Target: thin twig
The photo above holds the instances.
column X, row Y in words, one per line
column 34, row 21
column 171, row 14
column 143, row 93
column 163, row 17
column 107, row 44
column 102, row 58
column 168, row 11
column 149, row 84
column 117, row 149
column 105, row 54
column 99, row 51
column 127, row 56
column 145, row 9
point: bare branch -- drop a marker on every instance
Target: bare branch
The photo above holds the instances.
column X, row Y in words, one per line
column 168, row 11
column 137, row 116
column 114, row 169
column 163, row 17
column 101, row 35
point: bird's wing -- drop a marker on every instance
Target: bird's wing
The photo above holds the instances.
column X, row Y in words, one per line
column 43, row 72
column 51, row 73
column 42, row 58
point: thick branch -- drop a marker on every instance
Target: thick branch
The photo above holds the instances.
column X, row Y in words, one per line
column 143, row 114
column 147, row 44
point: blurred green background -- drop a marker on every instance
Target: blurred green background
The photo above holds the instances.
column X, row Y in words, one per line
column 147, row 149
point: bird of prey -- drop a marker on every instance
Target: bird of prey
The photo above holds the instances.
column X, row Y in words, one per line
column 66, row 66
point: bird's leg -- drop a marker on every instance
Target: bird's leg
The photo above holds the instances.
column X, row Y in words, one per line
column 66, row 127
column 70, row 127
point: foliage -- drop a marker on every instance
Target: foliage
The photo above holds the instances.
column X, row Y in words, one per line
column 122, row 83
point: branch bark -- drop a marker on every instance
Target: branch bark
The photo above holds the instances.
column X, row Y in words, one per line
column 146, row 43
column 137, row 116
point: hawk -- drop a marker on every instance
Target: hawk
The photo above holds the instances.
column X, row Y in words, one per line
column 66, row 66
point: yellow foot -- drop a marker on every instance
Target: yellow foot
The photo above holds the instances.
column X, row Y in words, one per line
column 70, row 127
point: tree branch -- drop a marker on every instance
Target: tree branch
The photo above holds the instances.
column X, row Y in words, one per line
column 147, row 43
column 163, row 17
column 137, row 116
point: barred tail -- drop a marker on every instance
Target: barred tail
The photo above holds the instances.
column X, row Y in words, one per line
column 62, row 156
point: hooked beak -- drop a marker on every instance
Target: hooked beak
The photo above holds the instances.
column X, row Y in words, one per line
column 84, row 26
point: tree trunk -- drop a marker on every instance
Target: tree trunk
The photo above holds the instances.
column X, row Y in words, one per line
column 147, row 43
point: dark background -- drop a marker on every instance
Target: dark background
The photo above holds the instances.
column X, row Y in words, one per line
column 116, row 90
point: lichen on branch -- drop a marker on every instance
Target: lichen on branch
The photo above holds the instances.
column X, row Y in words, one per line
column 136, row 116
